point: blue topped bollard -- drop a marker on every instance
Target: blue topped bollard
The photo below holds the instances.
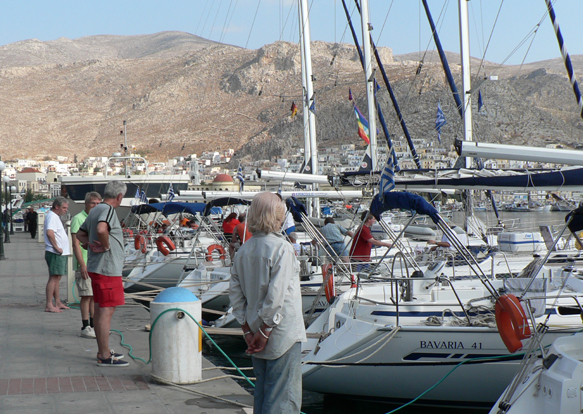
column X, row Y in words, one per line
column 176, row 338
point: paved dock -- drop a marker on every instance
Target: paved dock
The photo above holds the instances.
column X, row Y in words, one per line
column 46, row 367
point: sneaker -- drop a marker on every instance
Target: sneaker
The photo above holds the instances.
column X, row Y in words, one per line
column 111, row 362
column 114, row 354
column 88, row 332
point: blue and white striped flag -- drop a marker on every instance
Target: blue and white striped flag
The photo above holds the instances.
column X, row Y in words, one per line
column 143, row 197
column 171, row 193
column 240, row 178
column 439, row 121
column 387, row 182
column 137, row 193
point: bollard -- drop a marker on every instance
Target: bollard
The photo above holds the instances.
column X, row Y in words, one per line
column 176, row 338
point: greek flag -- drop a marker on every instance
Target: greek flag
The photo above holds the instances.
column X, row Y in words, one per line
column 137, row 193
column 240, row 177
column 439, row 121
column 171, row 193
column 143, row 197
column 387, row 182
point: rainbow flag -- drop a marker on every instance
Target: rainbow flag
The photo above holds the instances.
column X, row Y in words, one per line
column 362, row 125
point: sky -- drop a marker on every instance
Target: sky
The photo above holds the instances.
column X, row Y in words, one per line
column 501, row 30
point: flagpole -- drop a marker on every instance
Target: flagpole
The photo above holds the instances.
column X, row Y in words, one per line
column 309, row 98
column 372, row 124
column 466, row 75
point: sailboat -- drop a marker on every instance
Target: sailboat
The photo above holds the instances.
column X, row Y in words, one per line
column 435, row 339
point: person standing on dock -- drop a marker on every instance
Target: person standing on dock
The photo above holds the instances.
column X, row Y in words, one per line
column 102, row 233
column 266, row 299
column 82, row 279
column 56, row 252
column 32, row 220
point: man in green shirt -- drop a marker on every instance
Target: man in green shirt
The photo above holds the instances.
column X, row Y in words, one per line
column 82, row 278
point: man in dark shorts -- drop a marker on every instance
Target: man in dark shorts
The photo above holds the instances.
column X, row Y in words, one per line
column 56, row 252
column 101, row 234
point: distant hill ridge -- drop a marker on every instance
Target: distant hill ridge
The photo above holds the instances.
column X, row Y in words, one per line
column 163, row 45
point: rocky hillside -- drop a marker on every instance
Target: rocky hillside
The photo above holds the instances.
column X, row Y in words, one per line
column 181, row 94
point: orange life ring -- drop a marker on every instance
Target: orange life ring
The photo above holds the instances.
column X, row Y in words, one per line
column 165, row 244
column 211, row 249
column 511, row 321
column 140, row 243
column 329, row 289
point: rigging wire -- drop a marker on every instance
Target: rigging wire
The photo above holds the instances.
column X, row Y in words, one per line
column 212, row 28
column 206, row 20
column 385, row 22
column 201, row 16
column 226, row 18
column 252, row 24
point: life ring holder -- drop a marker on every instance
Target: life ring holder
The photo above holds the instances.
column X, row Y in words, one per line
column 328, row 281
column 165, row 244
column 211, row 249
column 511, row 321
column 140, row 243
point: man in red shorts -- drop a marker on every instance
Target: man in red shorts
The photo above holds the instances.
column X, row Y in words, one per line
column 101, row 234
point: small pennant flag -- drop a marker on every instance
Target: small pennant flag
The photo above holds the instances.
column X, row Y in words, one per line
column 439, row 121
column 137, row 193
column 362, row 125
column 171, row 193
column 350, row 98
column 143, row 197
column 294, row 109
column 240, row 178
column 480, row 101
column 313, row 107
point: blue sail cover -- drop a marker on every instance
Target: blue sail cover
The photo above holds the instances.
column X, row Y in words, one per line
column 576, row 223
column 402, row 200
column 169, row 208
column 296, row 207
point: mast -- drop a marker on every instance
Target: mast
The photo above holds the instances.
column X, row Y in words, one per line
column 308, row 89
column 466, row 76
column 372, row 124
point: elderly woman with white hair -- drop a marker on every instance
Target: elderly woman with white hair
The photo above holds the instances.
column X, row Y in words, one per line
column 266, row 299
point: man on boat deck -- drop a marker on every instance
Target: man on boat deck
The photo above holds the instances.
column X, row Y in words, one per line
column 82, row 279
column 363, row 242
column 334, row 235
column 445, row 242
column 56, row 252
column 241, row 234
column 102, row 233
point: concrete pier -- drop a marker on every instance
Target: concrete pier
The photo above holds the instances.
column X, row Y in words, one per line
column 46, row 367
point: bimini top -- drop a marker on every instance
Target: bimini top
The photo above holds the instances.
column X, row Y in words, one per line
column 170, row 208
column 402, row 200
column 221, row 202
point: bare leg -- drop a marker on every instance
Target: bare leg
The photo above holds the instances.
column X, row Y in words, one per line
column 102, row 319
column 58, row 303
column 52, row 284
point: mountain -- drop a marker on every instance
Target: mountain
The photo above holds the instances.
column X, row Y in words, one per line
column 181, row 94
